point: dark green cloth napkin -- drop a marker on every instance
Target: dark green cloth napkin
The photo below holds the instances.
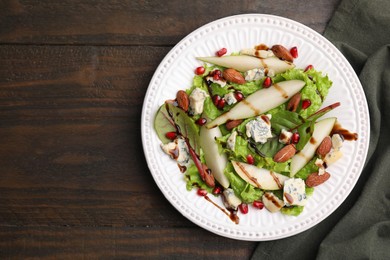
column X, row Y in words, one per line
column 360, row 227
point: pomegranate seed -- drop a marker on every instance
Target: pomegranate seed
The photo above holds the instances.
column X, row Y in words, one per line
column 306, row 103
column 221, row 103
column 201, row 121
column 243, row 208
column 294, row 52
column 171, row 135
column 216, row 99
column 217, row 190
column 258, row 204
column 200, row 70
column 310, row 67
column 217, row 72
column 239, row 96
column 202, row 192
column 295, row 138
column 216, row 77
column 250, row 159
column 221, row 52
column 267, row 82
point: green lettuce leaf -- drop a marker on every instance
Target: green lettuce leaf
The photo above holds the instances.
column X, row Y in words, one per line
column 316, row 88
column 248, row 88
column 186, row 125
column 307, row 169
column 163, row 124
column 193, row 179
column 309, row 191
column 284, row 119
column 246, row 192
column 292, row 211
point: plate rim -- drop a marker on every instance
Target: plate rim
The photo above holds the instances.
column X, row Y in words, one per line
column 363, row 153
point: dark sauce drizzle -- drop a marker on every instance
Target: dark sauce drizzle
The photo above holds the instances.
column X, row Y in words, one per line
column 251, row 143
column 346, row 134
column 232, row 214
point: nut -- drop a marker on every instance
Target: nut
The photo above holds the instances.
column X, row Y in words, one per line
column 288, row 197
column 294, row 102
column 233, row 76
column 282, row 53
column 183, row 100
column 285, row 153
column 315, row 179
column 233, row 123
column 325, row 146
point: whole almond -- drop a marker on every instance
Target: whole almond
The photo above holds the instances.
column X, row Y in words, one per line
column 293, row 104
column 324, row 147
column 285, row 153
column 282, row 53
column 233, row 123
column 233, row 76
column 315, row 179
column 183, row 101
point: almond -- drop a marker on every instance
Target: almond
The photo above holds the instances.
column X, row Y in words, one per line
column 285, row 153
column 233, row 76
column 294, row 102
column 289, row 198
column 183, row 101
column 325, row 146
column 233, row 123
column 315, row 179
column 282, row 53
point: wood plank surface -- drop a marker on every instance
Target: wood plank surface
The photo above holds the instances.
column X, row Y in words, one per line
column 74, row 182
column 119, row 243
column 75, row 81
column 102, row 22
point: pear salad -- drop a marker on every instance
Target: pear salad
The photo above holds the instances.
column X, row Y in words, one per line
column 249, row 131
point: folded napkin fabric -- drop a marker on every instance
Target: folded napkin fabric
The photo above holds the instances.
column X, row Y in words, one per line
column 360, row 227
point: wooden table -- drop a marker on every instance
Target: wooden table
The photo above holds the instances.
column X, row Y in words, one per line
column 74, row 182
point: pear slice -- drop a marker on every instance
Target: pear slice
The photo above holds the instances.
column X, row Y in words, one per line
column 260, row 101
column 245, row 62
column 214, row 160
column 321, row 130
column 258, row 177
column 271, row 202
column 263, row 54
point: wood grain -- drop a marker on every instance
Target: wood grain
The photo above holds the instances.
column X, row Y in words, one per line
column 119, row 243
column 75, row 81
column 131, row 22
column 78, row 172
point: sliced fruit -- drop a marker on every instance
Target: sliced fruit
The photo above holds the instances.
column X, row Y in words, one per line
column 244, row 63
column 258, row 177
column 214, row 160
column 257, row 53
column 271, row 202
column 321, row 130
column 260, row 101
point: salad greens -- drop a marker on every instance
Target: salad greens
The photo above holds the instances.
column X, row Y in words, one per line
column 234, row 143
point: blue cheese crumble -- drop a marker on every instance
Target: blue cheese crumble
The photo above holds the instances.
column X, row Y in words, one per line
column 197, row 99
column 177, row 150
column 259, row 129
column 230, row 98
column 231, row 201
column 294, row 192
column 254, row 74
column 285, row 136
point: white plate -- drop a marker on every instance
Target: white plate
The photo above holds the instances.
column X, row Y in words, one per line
column 235, row 33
